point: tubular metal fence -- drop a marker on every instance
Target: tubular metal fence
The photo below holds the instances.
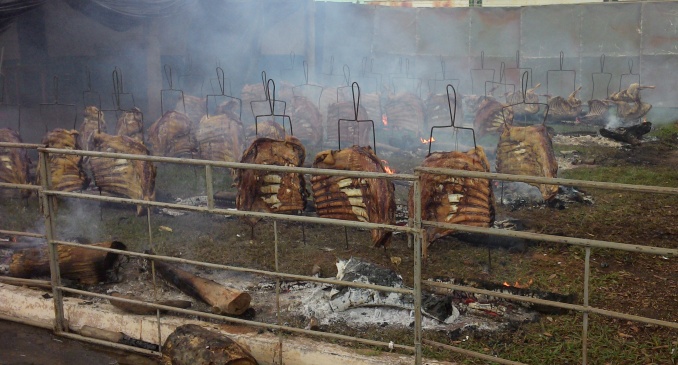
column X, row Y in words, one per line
column 414, row 229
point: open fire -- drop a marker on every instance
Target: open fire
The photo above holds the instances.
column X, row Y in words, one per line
column 517, row 284
column 427, row 140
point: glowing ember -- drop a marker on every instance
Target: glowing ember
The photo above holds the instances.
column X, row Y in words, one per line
column 384, row 119
column 387, row 168
column 427, row 140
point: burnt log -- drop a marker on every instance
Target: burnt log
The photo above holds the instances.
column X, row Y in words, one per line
column 224, row 300
column 631, row 135
column 116, row 337
column 191, row 344
column 87, row 266
column 144, row 309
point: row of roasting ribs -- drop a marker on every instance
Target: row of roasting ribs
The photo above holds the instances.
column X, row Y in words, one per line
column 14, row 162
column 528, row 151
column 450, row 199
column 356, row 199
column 267, row 191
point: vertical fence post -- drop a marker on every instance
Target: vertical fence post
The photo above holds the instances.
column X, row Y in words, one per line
column 417, row 272
column 277, row 293
column 53, row 249
column 585, row 326
column 209, row 187
column 155, row 284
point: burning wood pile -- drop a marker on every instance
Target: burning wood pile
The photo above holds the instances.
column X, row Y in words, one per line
column 528, row 151
column 14, row 162
column 272, row 192
column 450, row 199
column 356, row 199
column 134, row 179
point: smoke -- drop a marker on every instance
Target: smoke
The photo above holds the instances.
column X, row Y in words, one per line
column 613, row 121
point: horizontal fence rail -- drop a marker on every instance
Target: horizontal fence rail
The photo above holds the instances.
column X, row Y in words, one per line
column 415, row 229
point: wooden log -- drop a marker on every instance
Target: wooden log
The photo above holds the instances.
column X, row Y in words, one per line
column 224, row 300
column 87, row 266
column 143, row 309
column 631, row 135
column 191, row 344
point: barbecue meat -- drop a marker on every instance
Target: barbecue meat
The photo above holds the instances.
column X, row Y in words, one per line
column 272, row 192
column 564, row 109
column 66, row 171
column 356, row 199
column 264, row 129
column 14, row 162
column 171, row 136
column 490, row 116
column 597, row 114
column 220, row 137
column 460, row 200
column 134, row 179
column 438, row 110
column 528, row 151
column 351, row 131
column 306, row 121
column 93, row 122
column 405, row 115
column 629, row 105
column 131, row 124
column 195, row 108
column 528, row 106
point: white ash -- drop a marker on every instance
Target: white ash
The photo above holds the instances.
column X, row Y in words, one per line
column 586, row 140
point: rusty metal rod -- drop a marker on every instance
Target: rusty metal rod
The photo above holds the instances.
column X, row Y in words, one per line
column 239, row 213
column 119, row 346
column 241, row 269
column 552, row 181
column 475, row 354
column 22, row 234
column 575, row 307
column 240, row 321
column 235, row 165
column 557, row 239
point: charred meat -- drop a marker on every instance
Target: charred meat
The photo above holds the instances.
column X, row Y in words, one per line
column 171, row 136
column 629, row 105
column 134, row 179
column 93, row 122
column 356, row 199
column 131, row 124
column 491, row 116
column 459, row 200
column 66, row 171
column 272, row 192
column 528, row 151
column 14, row 162
column 564, row 109
column 220, row 137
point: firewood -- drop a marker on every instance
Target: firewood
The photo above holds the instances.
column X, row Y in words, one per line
column 631, row 135
column 142, row 309
column 115, row 337
column 191, row 344
column 87, row 266
column 224, row 300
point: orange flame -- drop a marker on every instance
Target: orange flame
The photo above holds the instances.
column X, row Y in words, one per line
column 519, row 285
column 427, row 140
column 384, row 119
column 387, row 168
